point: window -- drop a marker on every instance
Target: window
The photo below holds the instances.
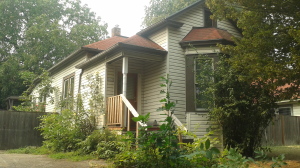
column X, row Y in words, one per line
column 284, row 111
column 68, row 86
column 203, row 79
column 198, row 77
column 208, row 22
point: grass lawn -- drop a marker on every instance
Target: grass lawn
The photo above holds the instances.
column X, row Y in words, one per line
column 290, row 152
column 292, row 156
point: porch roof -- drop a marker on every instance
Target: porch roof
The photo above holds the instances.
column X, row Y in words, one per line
column 135, row 42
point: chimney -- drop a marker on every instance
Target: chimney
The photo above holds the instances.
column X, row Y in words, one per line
column 116, row 31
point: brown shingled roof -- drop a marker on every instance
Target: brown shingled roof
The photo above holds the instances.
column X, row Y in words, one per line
column 106, row 44
column 142, row 42
column 207, row 34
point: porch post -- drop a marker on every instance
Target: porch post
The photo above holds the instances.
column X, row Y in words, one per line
column 125, row 72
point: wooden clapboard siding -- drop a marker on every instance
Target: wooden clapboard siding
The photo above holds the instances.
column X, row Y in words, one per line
column 226, row 25
column 198, row 123
column 151, row 79
column 176, row 57
column 85, row 90
column 151, row 89
column 160, row 37
column 57, row 81
column 296, row 109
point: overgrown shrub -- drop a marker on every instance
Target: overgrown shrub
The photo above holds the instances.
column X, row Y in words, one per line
column 62, row 132
column 102, row 143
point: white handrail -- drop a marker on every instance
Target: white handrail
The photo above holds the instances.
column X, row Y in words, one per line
column 178, row 122
column 131, row 109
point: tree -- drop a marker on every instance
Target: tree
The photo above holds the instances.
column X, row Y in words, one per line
column 160, row 9
column 36, row 34
column 270, row 47
column 265, row 57
column 242, row 109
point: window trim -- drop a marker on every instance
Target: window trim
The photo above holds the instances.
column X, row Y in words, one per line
column 190, row 81
column 213, row 21
column 286, row 106
column 68, row 77
column 195, row 80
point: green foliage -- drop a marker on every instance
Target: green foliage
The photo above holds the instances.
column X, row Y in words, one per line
column 160, row 148
column 232, row 158
column 44, row 90
column 73, row 156
column 269, row 47
column 204, row 155
column 94, row 94
column 102, row 143
column 160, row 9
column 62, row 132
column 37, row 34
column 241, row 108
column 30, row 150
column 277, row 161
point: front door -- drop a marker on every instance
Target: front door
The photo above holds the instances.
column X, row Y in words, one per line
column 131, row 91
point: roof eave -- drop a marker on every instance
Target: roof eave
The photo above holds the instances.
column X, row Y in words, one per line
column 91, row 49
column 118, row 46
column 65, row 60
column 160, row 25
column 97, row 57
column 205, row 42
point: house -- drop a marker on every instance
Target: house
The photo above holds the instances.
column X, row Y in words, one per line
column 133, row 67
column 289, row 106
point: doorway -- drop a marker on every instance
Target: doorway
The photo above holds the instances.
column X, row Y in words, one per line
column 132, row 83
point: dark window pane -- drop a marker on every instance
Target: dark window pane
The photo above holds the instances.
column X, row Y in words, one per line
column 204, row 69
column 284, row 111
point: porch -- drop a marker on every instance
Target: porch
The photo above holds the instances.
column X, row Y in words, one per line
column 132, row 88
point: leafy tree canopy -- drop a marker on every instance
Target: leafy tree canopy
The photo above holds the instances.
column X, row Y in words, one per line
column 36, row 34
column 270, row 47
column 160, row 9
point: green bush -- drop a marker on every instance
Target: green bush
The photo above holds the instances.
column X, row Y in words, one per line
column 103, row 143
column 62, row 132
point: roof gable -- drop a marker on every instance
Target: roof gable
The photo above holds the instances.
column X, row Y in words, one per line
column 137, row 40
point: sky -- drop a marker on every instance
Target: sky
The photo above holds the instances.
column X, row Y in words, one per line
column 128, row 14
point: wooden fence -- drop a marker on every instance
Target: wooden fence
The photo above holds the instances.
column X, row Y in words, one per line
column 17, row 129
column 284, row 130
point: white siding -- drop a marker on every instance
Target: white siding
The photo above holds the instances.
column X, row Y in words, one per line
column 197, row 123
column 57, row 81
column 176, row 57
column 296, row 109
column 161, row 38
column 85, row 90
column 226, row 25
column 151, row 89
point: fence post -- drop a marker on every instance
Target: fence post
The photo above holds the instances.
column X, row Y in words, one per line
column 282, row 129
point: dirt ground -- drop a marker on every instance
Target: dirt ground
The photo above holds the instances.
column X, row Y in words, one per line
column 38, row 161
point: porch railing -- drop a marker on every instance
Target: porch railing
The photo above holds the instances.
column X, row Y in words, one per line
column 115, row 108
column 116, row 114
